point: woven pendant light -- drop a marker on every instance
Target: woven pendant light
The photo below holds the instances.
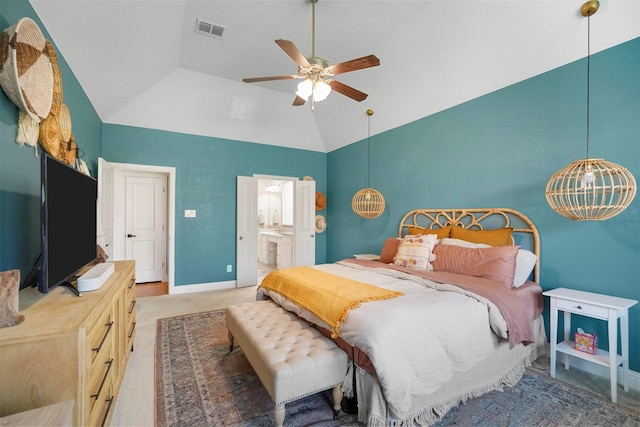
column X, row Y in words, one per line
column 368, row 202
column 590, row 189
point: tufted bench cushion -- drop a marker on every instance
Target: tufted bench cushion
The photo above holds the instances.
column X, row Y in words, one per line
column 291, row 358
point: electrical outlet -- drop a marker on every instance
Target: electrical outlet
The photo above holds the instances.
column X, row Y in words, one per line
column 229, row 268
column 189, row 213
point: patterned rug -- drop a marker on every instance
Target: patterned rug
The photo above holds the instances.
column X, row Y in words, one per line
column 198, row 382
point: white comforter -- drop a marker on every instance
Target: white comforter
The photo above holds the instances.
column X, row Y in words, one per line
column 416, row 341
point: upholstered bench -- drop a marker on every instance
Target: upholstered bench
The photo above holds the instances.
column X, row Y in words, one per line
column 291, row 358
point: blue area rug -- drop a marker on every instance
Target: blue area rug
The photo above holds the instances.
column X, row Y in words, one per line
column 198, row 382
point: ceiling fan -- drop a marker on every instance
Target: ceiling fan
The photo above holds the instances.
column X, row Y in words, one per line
column 317, row 73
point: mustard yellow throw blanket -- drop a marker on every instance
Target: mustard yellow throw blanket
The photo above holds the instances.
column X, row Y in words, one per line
column 326, row 295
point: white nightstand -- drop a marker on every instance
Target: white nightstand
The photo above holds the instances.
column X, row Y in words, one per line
column 598, row 306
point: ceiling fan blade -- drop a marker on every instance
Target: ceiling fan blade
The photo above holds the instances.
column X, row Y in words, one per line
column 348, row 91
column 354, row 64
column 266, row 79
column 293, row 52
column 298, row 101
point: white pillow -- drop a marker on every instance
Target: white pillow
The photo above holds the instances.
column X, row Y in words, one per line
column 525, row 260
column 416, row 251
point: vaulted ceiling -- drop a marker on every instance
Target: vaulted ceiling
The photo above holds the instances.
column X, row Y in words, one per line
column 142, row 63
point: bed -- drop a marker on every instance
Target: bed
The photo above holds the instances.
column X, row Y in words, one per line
column 458, row 312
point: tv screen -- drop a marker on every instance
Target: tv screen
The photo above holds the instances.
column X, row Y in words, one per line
column 68, row 222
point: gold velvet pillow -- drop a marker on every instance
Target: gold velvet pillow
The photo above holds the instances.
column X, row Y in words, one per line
column 498, row 237
column 440, row 232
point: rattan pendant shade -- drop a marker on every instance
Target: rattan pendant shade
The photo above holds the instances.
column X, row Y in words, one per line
column 368, row 202
column 590, row 189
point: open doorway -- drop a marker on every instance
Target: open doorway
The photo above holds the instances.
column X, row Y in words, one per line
column 126, row 191
column 276, row 226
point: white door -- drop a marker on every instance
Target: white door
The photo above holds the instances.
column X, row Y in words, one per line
column 145, row 224
column 247, row 232
column 104, row 224
column 304, row 245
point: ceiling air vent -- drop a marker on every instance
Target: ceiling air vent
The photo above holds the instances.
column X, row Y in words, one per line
column 209, row 29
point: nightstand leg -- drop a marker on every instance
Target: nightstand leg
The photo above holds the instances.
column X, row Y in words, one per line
column 624, row 341
column 554, row 338
column 613, row 353
column 567, row 331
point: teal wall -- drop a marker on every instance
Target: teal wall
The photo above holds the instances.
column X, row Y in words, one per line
column 206, row 171
column 500, row 150
column 20, row 169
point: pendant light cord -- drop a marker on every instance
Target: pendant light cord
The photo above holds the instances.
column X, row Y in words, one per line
column 369, row 155
column 588, row 79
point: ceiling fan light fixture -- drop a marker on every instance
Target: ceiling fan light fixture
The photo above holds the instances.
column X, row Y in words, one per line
column 305, row 88
column 321, row 91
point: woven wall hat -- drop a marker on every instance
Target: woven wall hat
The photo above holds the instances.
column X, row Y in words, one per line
column 64, row 120
column 56, row 101
column 50, row 136
column 26, row 74
column 321, row 201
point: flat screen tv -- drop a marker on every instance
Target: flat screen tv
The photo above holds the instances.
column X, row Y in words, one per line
column 67, row 223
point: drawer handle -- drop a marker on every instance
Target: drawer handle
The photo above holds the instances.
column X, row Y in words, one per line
column 133, row 282
column 133, row 328
column 109, row 401
column 133, row 304
column 579, row 307
column 106, row 334
column 104, row 379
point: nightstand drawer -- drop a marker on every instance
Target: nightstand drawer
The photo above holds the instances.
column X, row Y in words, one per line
column 583, row 308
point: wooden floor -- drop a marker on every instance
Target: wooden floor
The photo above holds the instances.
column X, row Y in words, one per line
column 151, row 289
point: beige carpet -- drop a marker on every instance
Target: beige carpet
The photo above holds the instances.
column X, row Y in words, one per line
column 135, row 403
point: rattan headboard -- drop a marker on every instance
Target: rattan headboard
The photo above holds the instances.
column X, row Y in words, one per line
column 525, row 232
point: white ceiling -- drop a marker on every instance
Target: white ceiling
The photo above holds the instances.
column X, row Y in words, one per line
column 142, row 64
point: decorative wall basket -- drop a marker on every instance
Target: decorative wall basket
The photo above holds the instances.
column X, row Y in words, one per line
column 591, row 189
column 26, row 74
column 368, row 203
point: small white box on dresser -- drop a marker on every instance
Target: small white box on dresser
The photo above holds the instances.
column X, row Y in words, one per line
column 95, row 277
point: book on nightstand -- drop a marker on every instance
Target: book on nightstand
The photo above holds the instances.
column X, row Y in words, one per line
column 370, row 257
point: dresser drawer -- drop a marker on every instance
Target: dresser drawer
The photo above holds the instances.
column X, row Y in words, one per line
column 583, row 308
column 100, row 335
column 100, row 382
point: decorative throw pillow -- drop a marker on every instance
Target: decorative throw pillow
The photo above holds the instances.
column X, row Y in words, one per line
column 496, row 263
column 440, row 232
column 416, row 252
column 389, row 250
column 525, row 260
column 9, row 288
column 498, row 237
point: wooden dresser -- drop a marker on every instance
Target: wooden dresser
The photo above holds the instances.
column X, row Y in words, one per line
column 70, row 348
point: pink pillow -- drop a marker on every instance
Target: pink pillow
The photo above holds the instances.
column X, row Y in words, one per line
column 497, row 263
column 389, row 250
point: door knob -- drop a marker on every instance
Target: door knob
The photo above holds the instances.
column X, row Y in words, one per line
column 131, row 235
column 312, row 236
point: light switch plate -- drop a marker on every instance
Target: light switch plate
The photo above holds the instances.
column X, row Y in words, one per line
column 189, row 213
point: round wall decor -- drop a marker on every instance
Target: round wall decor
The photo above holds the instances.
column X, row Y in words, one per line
column 26, row 73
column 321, row 224
column 321, row 201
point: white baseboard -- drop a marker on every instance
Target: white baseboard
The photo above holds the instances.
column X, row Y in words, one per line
column 200, row 287
column 583, row 365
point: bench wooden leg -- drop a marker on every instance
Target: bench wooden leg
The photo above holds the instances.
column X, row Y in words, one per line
column 337, row 400
column 278, row 415
column 230, row 341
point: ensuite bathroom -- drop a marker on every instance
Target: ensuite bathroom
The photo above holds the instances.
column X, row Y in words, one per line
column 275, row 224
